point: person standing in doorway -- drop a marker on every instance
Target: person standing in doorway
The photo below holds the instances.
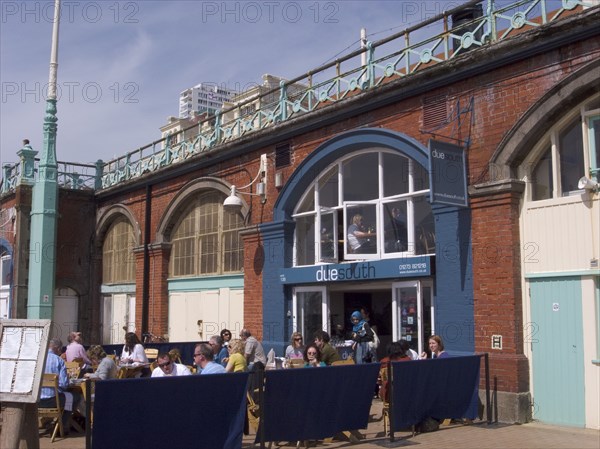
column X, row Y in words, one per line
column 362, row 335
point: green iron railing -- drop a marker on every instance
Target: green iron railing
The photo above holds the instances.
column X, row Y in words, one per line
column 431, row 42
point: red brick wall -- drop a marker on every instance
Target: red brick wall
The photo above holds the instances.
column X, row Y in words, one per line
column 498, row 303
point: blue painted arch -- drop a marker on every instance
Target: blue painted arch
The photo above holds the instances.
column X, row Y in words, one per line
column 335, row 148
column 454, row 316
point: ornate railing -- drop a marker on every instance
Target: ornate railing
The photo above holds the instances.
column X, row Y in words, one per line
column 474, row 24
column 71, row 175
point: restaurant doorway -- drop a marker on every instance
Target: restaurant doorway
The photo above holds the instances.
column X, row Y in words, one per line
column 395, row 309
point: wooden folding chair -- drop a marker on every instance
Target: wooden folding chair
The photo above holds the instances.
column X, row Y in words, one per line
column 151, row 354
column 56, row 413
column 91, row 382
column 73, row 369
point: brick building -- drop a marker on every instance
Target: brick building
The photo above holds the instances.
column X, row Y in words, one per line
column 152, row 248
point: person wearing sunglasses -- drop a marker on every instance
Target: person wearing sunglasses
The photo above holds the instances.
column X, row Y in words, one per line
column 296, row 348
column 167, row 367
column 226, row 336
column 312, row 356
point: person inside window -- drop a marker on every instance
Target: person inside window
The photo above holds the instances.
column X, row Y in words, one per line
column 396, row 237
column 359, row 237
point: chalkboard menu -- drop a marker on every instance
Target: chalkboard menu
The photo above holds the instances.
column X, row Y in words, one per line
column 23, row 348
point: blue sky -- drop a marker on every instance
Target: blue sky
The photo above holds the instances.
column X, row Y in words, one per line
column 122, row 64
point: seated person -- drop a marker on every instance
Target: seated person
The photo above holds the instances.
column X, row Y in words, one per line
column 328, row 352
column 75, row 350
column 358, row 236
column 106, row 366
column 56, row 365
column 396, row 236
column 237, row 361
column 436, row 346
column 133, row 351
column 220, row 353
column 407, row 349
column 312, row 356
column 296, row 349
column 203, row 357
column 396, row 353
column 167, row 367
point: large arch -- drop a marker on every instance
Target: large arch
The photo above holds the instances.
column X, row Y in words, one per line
column 517, row 143
column 107, row 217
column 176, row 206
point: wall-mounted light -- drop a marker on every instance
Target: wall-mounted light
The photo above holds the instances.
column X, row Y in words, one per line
column 587, row 184
column 233, row 202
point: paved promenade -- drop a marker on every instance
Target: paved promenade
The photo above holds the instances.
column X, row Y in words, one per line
column 476, row 436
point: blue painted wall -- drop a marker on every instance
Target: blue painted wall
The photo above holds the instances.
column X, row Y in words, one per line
column 453, row 287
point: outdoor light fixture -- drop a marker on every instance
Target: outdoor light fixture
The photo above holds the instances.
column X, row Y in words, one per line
column 233, row 202
column 587, row 184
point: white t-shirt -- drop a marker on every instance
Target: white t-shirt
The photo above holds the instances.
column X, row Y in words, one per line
column 137, row 355
column 179, row 370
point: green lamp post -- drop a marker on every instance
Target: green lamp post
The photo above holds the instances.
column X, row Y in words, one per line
column 42, row 251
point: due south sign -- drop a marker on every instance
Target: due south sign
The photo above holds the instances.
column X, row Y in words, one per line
column 447, row 174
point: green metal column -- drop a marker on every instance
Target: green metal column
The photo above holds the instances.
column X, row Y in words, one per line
column 42, row 242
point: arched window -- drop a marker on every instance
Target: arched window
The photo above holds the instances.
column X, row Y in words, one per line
column 118, row 261
column 570, row 150
column 206, row 239
column 370, row 204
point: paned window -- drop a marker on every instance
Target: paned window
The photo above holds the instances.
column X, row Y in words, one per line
column 570, row 150
column 370, row 204
column 206, row 240
column 118, row 260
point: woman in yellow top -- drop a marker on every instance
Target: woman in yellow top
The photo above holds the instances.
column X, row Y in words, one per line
column 237, row 360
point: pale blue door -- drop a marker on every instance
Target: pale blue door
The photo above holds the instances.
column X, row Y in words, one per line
column 556, row 339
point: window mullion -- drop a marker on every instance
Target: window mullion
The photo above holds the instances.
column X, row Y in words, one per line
column 555, row 165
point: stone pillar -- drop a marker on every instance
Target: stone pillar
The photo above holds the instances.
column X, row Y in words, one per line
column 21, row 251
column 498, row 301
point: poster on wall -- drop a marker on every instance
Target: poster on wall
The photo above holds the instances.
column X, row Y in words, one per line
column 447, row 174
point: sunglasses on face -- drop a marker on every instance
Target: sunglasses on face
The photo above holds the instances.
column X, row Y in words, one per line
column 311, row 353
column 162, row 365
column 298, row 339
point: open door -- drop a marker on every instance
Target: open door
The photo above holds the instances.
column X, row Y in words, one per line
column 412, row 313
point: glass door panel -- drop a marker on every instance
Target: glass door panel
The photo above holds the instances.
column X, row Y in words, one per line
column 412, row 313
column 310, row 307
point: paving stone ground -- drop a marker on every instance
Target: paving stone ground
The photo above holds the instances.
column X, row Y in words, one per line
column 478, row 435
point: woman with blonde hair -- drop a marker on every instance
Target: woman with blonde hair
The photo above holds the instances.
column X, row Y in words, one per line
column 106, row 366
column 237, row 361
column 296, row 349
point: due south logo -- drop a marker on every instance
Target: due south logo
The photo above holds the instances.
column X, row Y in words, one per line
column 448, row 157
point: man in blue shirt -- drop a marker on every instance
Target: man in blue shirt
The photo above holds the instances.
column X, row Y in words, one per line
column 203, row 356
column 56, row 365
